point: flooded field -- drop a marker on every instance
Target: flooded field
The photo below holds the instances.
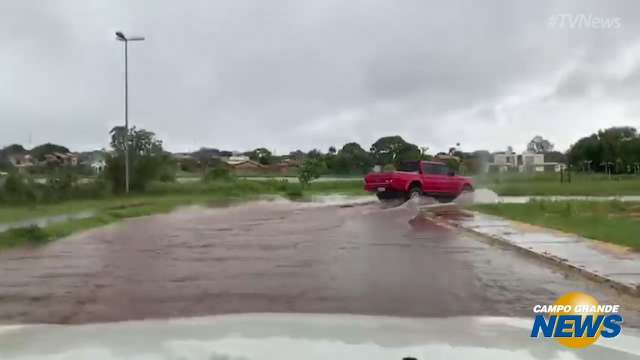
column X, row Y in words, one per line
column 333, row 255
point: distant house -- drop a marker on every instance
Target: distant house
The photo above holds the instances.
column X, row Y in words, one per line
column 94, row 160
column 61, row 159
column 185, row 161
column 245, row 167
column 21, row 161
column 291, row 162
column 443, row 157
column 281, row 168
column 183, row 156
column 98, row 166
column 526, row 162
column 237, row 159
column 503, row 162
column 531, row 162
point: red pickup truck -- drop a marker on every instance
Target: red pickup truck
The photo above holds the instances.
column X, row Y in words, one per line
column 431, row 178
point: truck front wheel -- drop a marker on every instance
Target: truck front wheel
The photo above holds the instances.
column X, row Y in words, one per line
column 414, row 190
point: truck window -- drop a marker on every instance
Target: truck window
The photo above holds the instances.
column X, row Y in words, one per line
column 435, row 169
column 409, row 166
column 443, row 170
column 431, row 169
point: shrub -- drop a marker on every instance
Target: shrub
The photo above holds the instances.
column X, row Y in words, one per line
column 33, row 234
column 61, row 182
column 147, row 160
column 294, row 191
column 144, row 170
column 281, row 185
column 99, row 188
column 167, row 174
column 218, row 173
column 311, row 169
column 18, row 189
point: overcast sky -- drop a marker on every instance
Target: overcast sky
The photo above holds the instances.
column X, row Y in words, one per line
column 309, row 74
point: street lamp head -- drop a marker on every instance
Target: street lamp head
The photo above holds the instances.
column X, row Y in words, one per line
column 120, row 36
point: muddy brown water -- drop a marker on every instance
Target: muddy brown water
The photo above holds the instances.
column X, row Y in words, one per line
column 279, row 256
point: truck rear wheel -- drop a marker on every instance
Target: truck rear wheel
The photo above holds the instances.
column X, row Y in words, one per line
column 387, row 195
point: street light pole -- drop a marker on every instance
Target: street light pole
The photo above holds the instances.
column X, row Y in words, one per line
column 126, row 117
column 121, row 37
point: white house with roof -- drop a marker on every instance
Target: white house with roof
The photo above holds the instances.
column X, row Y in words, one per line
column 509, row 161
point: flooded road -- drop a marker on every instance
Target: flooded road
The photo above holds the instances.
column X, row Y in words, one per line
column 279, row 256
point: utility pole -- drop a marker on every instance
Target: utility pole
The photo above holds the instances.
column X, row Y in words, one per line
column 121, row 37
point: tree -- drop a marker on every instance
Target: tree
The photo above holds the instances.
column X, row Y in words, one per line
column 408, row 152
column 555, row 156
column 261, row 155
column 330, row 159
column 40, row 151
column 207, row 157
column 352, row 159
column 297, row 155
column 482, row 155
column 385, row 149
column 311, row 169
column 453, row 164
column 393, row 149
column 7, row 151
column 615, row 148
column 314, row 154
column 13, row 149
column 585, row 153
column 147, row 160
column 539, row 145
column 140, row 142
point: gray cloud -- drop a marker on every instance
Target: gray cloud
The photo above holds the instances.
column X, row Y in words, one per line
column 305, row 74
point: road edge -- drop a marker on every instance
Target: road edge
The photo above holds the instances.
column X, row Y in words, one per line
column 545, row 256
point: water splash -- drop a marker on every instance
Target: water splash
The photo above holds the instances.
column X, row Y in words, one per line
column 480, row 196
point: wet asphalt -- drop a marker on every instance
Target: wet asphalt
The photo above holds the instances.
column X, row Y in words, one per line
column 280, row 256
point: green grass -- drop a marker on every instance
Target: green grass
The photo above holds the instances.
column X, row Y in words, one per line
column 188, row 174
column 34, row 235
column 612, row 221
column 346, row 187
column 549, row 184
column 290, row 174
column 159, row 198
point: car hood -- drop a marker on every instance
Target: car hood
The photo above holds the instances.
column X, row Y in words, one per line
column 301, row 336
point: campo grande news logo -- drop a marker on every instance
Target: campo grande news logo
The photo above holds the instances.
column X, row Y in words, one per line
column 576, row 320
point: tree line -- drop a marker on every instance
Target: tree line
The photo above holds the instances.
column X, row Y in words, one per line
column 612, row 150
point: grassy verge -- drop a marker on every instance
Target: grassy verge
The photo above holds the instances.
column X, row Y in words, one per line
column 345, row 187
column 612, row 221
column 549, row 184
column 160, row 197
column 178, row 194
